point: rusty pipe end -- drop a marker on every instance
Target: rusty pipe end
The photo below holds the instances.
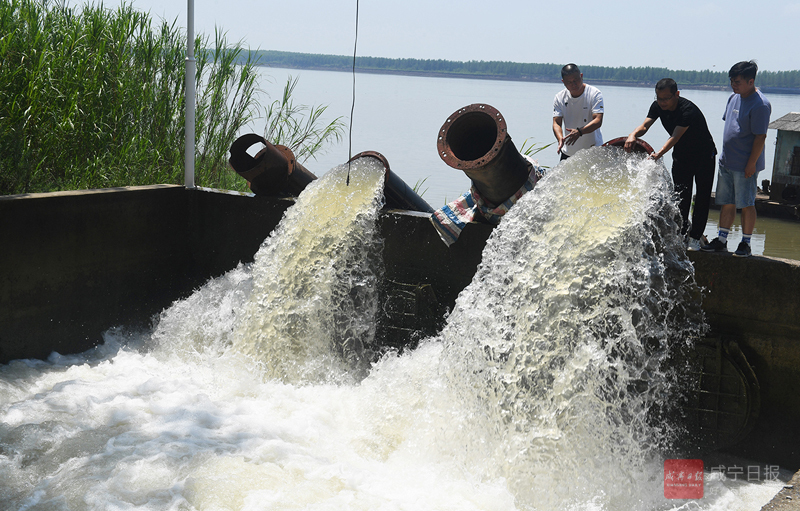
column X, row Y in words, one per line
column 472, row 137
column 298, row 177
column 475, row 140
column 274, row 170
column 240, row 160
column 396, row 192
column 372, row 154
column 287, row 155
column 640, row 147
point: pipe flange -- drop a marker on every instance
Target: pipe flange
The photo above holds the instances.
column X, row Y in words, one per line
column 472, row 136
column 290, row 159
column 639, row 147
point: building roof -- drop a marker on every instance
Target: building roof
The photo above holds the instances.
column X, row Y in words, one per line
column 789, row 122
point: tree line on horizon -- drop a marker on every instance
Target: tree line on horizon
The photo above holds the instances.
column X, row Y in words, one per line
column 644, row 76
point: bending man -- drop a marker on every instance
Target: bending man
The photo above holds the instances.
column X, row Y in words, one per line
column 692, row 157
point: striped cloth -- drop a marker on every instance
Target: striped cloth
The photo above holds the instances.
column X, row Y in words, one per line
column 451, row 219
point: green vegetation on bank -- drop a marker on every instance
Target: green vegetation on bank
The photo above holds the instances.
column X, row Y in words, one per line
column 515, row 71
column 92, row 97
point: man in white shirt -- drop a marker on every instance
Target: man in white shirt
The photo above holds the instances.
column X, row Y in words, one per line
column 580, row 108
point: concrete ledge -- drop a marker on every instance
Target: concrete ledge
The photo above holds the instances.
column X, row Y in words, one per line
column 788, row 499
column 77, row 263
column 755, row 301
column 755, row 293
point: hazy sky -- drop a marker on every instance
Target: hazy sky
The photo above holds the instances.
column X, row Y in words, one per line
column 680, row 34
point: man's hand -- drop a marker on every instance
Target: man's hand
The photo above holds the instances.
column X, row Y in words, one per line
column 750, row 169
column 630, row 142
column 755, row 152
column 572, row 136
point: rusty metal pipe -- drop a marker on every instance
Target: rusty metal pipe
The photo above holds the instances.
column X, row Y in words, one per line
column 397, row 193
column 273, row 171
column 475, row 140
column 639, row 147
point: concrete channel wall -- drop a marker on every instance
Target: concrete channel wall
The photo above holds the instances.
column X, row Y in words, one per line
column 755, row 302
column 74, row 264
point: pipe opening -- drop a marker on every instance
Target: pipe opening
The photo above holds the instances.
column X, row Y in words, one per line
column 246, row 151
column 472, row 135
column 475, row 140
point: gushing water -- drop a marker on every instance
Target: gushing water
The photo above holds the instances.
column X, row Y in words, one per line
column 314, row 299
column 559, row 340
column 255, row 393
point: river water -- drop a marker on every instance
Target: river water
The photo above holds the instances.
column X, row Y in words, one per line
column 400, row 117
column 264, row 389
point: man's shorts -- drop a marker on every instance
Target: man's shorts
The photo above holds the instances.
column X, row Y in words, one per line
column 734, row 188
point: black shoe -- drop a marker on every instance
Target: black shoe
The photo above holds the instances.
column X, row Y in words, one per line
column 715, row 246
column 743, row 250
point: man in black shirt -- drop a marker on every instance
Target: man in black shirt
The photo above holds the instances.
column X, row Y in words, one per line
column 693, row 157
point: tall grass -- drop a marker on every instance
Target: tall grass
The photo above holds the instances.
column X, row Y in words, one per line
column 93, row 97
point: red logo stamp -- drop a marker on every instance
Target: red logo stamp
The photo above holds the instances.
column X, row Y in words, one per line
column 683, row 479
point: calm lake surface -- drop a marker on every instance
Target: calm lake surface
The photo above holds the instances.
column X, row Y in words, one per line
column 400, row 117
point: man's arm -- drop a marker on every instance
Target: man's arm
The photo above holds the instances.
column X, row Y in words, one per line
column 755, row 152
column 594, row 124
column 558, row 132
column 759, row 123
column 638, row 132
column 671, row 141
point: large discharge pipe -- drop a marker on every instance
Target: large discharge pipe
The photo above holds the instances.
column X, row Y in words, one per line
column 397, row 193
column 475, row 140
column 275, row 171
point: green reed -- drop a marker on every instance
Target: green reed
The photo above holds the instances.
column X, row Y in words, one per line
column 92, row 97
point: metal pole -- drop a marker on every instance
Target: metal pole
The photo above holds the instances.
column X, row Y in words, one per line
column 191, row 69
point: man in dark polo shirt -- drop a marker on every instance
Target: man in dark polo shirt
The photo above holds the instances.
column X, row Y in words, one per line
column 693, row 157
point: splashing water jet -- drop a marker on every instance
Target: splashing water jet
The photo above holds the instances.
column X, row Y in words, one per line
column 557, row 345
column 314, row 297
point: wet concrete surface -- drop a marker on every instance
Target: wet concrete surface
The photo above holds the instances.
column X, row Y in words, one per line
column 788, row 499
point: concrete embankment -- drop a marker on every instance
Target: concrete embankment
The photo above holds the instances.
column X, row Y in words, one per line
column 75, row 264
column 788, row 499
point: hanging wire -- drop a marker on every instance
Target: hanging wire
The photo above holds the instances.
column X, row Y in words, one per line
column 353, row 104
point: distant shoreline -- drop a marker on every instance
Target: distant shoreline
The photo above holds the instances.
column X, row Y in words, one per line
column 436, row 74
